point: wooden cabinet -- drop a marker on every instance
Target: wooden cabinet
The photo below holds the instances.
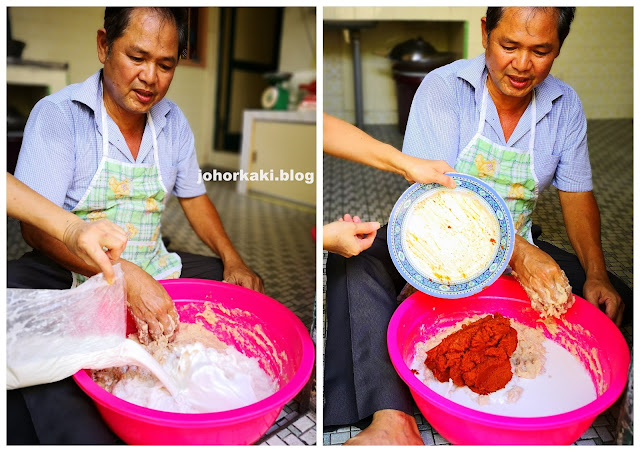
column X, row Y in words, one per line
column 279, row 154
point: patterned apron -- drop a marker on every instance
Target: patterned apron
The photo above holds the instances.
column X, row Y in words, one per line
column 132, row 196
column 509, row 171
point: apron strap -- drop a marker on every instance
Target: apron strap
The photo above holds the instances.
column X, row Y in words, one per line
column 532, row 138
column 105, row 129
column 103, row 160
column 532, row 135
column 155, row 149
column 483, row 110
column 483, row 115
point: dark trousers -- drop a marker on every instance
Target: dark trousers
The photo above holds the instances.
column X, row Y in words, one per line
column 362, row 296
column 60, row 413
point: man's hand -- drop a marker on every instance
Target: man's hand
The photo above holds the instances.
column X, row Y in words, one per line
column 152, row 308
column 86, row 240
column 241, row 275
column 348, row 236
column 426, row 171
column 600, row 291
column 537, row 272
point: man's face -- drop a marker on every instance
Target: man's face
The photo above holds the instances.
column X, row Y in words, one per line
column 140, row 67
column 520, row 50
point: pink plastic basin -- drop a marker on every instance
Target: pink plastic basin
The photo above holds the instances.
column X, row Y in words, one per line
column 598, row 342
column 253, row 323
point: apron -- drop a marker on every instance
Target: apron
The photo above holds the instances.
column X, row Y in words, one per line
column 132, row 196
column 509, row 171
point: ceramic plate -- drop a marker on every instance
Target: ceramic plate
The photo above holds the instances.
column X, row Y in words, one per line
column 451, row 263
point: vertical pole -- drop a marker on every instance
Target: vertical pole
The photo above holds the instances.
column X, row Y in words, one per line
column 357, row 77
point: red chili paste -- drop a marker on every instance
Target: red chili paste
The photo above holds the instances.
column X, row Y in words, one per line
column 476, row 356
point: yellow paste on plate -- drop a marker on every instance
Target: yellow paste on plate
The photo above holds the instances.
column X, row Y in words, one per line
column 451, row 236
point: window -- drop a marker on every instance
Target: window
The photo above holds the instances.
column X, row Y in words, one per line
column 197, row 37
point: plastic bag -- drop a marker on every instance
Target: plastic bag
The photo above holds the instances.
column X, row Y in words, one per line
column 51, row 334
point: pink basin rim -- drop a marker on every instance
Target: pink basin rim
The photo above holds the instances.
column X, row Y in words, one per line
column 586, row 412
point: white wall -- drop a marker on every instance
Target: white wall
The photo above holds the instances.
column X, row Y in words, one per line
column 596, row 59
column 298, row 46
column 63, row 34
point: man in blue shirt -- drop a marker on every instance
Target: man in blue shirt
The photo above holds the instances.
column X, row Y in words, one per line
column 503, row 118
column 113, row 147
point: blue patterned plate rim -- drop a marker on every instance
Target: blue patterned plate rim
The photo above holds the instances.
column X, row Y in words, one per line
column 421, row 281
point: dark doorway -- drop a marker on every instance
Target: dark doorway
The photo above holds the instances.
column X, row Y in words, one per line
column 249, row 47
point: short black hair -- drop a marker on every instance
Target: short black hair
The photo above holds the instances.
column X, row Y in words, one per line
column 565, row 17
column 116, row 21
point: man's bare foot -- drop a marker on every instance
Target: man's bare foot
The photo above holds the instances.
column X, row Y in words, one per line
column 389, row 427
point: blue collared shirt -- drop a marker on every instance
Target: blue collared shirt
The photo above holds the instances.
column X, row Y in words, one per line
column 446, row 109
column 62, row 145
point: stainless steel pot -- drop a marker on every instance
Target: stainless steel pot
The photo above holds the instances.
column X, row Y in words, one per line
column 417, row 55
column 412, row 61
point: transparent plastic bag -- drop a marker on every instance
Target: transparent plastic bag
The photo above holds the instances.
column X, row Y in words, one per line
column 51, row 334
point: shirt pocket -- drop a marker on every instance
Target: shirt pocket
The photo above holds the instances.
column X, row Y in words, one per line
column 545, row 167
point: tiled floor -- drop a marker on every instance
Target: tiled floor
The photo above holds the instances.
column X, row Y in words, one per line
column 600, row 432
column 359, row 190
column 275, row 240
column 291, row 428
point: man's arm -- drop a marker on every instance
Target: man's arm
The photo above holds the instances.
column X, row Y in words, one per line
column 206, row 223
column 344, row 140
column 201, row 213
column 56, row 250
column 582, row 222
column 85, row 240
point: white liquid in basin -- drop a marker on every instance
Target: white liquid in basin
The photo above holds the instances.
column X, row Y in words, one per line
column 207, row 380
column 564, row 385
